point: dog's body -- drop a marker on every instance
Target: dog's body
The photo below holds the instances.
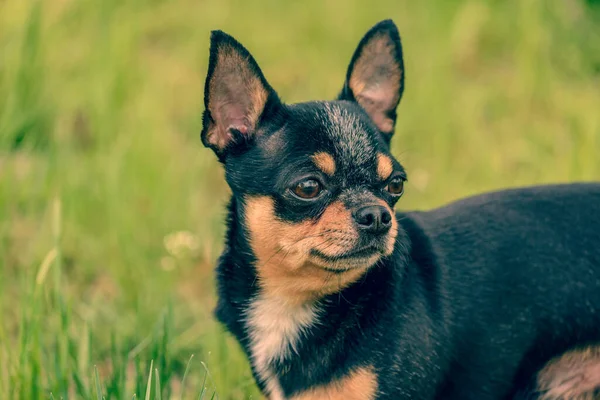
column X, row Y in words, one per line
column 477, row 297
column 333, row 296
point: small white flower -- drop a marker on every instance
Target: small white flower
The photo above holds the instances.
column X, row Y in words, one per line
column 181, row 244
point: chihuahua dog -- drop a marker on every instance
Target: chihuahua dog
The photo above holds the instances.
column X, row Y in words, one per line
column 333, row 295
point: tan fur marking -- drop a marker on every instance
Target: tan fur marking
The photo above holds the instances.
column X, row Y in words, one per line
column 359, row 385
column 375, row 80
column 285, row 267
column 574, row 375
column 385, row 166
column 232, row 78
column 325, row 162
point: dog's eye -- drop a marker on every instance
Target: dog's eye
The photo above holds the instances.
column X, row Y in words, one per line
column 307, row 189
column 396, row 186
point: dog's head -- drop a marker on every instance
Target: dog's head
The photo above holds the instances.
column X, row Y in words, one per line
column 314, row 182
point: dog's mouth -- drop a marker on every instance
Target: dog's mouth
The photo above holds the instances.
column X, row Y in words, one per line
column 353, row 259
column 363, row 252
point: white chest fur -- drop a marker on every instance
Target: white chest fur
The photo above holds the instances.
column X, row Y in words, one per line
column 275, row 328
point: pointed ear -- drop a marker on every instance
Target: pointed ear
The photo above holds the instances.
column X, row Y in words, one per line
column 375, row 78
column 236, row 95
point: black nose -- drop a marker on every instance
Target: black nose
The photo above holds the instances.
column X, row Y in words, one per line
column 374, row 219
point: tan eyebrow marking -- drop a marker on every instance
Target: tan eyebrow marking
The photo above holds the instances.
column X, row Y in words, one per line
column 325, row 162
column 385, row 166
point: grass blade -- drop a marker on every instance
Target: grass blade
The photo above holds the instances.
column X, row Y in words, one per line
column 187, row 368
column 207, row 374
column 149, row 384
column 157, row 393
column 98, row 386
column 203, row 386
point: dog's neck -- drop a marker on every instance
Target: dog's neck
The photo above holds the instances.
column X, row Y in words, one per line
column 272, row 329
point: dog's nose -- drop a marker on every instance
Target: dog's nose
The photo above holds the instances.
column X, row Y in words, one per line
column 373, row 219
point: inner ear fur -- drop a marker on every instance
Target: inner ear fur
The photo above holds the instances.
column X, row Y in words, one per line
column 236, row 95
column 375, row 77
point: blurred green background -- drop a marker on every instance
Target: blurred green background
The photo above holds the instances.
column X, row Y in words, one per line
column 111, row 211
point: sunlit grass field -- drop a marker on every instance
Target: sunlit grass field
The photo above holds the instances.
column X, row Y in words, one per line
column 111, row 211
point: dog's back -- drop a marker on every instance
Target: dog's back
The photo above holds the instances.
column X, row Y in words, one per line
column 522, row 270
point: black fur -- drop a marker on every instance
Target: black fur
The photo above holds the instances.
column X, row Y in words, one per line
column 476, row 297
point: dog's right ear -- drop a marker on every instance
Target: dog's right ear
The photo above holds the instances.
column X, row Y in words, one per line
column 236, row 95
column 375, row 78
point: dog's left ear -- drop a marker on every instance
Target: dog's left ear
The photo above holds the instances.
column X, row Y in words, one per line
column 375, row 78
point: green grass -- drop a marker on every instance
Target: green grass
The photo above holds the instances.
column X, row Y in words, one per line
column 111, row 212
